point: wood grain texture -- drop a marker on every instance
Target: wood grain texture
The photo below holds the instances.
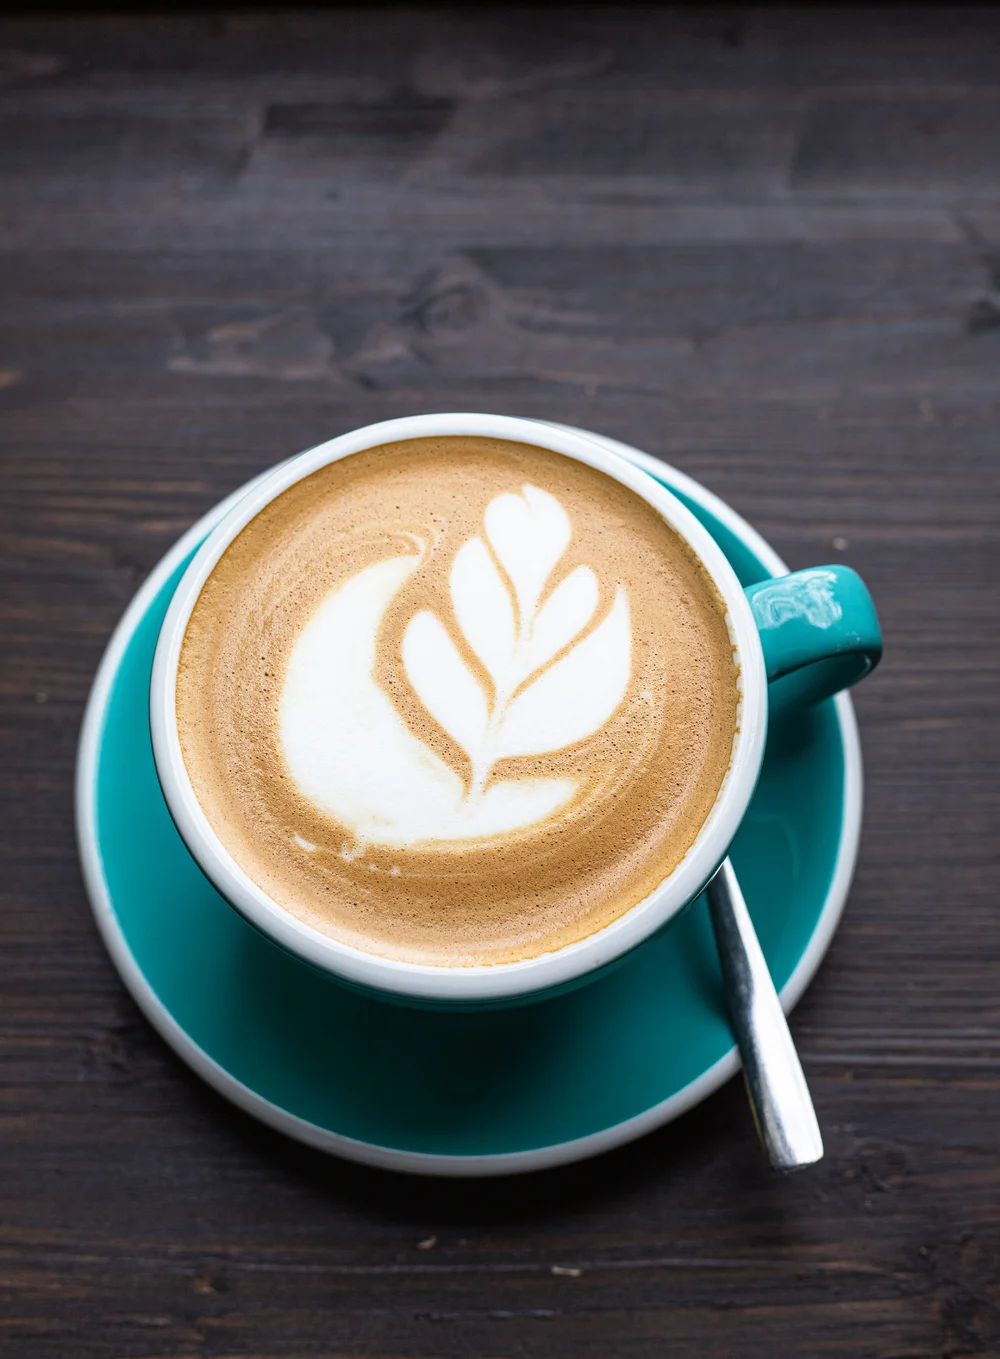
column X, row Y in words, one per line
column 763, row 245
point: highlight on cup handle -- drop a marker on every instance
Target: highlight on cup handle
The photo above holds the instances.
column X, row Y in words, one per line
column 819, row 633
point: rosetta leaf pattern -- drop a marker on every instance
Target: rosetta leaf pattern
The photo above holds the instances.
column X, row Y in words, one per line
column 443, row 682
column 553, row 682
column 564, row 705
column 483, row 606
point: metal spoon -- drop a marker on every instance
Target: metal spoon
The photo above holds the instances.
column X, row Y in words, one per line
column 779, row 1096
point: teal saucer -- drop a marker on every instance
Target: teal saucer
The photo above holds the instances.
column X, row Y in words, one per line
column 439, row 1093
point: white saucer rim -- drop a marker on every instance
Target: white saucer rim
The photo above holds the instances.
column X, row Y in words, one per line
column 372, row 1154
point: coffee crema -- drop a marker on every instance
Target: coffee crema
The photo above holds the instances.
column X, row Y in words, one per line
column 457, row 700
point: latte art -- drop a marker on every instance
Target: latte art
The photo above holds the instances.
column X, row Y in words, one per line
column 551, row 680
column 457, row 700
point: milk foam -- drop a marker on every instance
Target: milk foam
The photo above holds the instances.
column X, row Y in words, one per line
column 550, row 683
column 457, row 700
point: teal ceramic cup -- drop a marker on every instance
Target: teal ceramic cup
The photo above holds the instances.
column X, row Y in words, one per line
column 796, row 639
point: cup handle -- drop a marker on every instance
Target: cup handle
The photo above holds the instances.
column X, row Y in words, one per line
column 819, row 632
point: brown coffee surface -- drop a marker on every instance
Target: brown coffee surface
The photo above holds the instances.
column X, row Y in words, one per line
column 644, row 782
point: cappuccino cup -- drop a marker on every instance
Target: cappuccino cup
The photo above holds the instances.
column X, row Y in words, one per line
column 463, row 708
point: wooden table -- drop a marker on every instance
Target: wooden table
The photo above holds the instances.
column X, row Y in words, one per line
column 765, row 246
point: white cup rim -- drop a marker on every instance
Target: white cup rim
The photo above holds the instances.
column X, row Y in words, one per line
column 481, row 982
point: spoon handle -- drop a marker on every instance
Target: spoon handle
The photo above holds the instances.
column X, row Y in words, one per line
column 779, row 1096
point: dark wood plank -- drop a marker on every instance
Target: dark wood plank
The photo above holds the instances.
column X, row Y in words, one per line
column 763, row 245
